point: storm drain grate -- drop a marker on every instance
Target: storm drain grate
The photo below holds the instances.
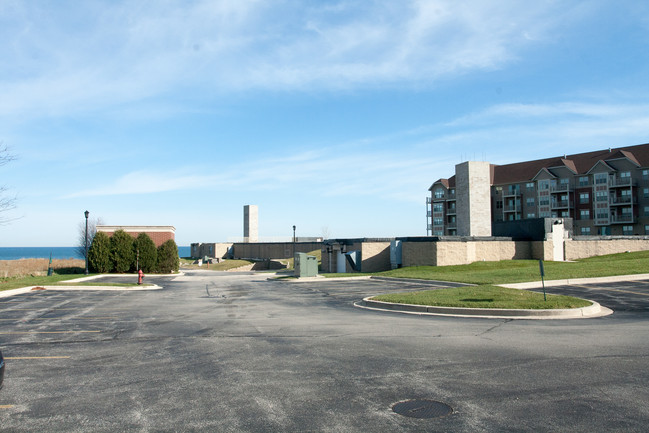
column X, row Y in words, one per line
column 422, row 409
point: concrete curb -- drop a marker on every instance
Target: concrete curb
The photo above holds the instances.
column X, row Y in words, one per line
column 316, row 278
column 594, row 310
column 596, row 280
column 436, row 283
column 23, row 290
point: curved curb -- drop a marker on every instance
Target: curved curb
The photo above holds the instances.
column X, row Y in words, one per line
column 593, row 310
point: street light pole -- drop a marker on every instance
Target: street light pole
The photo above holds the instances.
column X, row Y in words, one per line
column 293, row 242
column 86, row 213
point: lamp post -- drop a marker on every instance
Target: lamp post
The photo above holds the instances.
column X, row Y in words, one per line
column 86, row 213
column 293, row 242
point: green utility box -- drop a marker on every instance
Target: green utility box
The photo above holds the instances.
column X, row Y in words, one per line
column 305, row 265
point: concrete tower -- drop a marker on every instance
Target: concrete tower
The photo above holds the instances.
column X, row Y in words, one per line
column 473, row 195
column 250, row 223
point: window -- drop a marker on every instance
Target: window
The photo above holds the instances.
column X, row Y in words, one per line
column 451, row 192
column 544, row 214
column 438, row 233
column 531, row 215
column 602, row 214
column 544, row 201
column 585, row 231
column 544, row 184
column 499, row 204
column 564, row 181
column 499, row 189
column 625, row 174
column 646, row 210
column 627, row 230
column 646, row 230
column 584, row 214
column 645, row 174
column 513, row 189
column 530, row 201
column 645, row 192
column 601, row 178
column 438, row 222
column 439, row 193
column 565, row 214
column 584, row 197
column 529, row 185
column 626, row 210
column 583, row 181
column 438, row 207
column 601, row 196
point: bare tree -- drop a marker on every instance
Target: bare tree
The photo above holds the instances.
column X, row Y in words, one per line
column 92, row 231
column 6, row 203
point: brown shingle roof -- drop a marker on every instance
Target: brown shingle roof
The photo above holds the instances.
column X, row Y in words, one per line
column 579, row 163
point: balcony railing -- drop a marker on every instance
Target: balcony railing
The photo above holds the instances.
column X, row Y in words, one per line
column 512, row 208
column 451, row 211
column 561, row 204
column 621, row 219
column 620, row 181
column 623, row 200
column 562, row 187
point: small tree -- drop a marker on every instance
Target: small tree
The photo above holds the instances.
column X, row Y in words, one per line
column 168, row 260
column 92, row 230
column 144, row 249
column 6, row 203
column 121, row 249
column 99, row 257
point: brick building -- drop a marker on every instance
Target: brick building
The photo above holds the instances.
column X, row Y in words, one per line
column 159, row 234
column 605, row 192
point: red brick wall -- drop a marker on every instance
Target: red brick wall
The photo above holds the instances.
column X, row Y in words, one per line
column 158, row 238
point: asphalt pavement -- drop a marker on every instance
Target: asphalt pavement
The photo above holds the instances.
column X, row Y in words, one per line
column 236, row 352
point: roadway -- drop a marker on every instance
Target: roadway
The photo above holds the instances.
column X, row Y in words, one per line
column 235, row 352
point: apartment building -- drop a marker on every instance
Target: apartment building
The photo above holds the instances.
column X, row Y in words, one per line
column 605, row 192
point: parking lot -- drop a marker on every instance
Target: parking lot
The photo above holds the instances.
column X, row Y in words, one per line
column 235, row 352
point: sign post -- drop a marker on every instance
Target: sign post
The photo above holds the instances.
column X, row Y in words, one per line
column 542, row 280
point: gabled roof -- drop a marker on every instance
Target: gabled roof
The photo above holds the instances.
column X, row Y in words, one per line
column 543, row 170
column 623, row 154
column 446, row 183
column 580, row 163
column 600, row 164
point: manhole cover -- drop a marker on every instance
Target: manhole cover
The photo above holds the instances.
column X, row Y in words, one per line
column 422, row 409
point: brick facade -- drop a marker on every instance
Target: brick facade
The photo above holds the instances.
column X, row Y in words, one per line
column 159, row 234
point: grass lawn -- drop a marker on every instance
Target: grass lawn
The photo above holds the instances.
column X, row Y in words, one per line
column 18, row 282
column 485, row 296
column 518, row 271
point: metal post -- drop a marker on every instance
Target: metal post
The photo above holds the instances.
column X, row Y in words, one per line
column 293, row 247
column 542, row 279
column 86, row 213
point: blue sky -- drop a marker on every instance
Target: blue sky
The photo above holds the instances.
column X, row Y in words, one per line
column 334, row 116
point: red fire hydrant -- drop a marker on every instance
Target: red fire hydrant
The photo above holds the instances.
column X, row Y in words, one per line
column 140, row 276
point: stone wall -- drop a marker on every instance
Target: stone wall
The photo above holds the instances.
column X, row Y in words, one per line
column 375, row 256
column 579, row 248
column 272, row 250
column 217, row 250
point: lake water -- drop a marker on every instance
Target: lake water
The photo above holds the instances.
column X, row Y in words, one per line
column 15, row 253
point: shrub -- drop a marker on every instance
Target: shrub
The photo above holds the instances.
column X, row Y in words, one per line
column 99, row 255
column 145, row 252
column 121, row 248
column 168, row 260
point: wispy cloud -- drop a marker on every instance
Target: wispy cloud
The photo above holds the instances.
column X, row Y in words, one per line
column 328, row 172
column 81, row 57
